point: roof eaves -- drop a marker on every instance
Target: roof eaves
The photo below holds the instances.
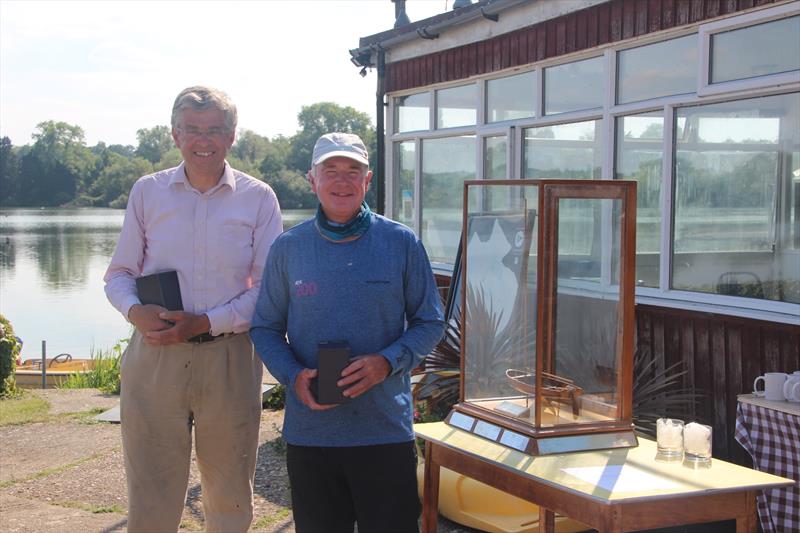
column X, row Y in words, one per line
column 428, row 28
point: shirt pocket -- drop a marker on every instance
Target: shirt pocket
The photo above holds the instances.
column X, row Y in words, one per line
column 235, row 245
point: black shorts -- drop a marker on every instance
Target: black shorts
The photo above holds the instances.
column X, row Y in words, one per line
column 333, row 488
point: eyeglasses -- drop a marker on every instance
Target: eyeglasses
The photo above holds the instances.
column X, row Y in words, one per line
column 195, row 132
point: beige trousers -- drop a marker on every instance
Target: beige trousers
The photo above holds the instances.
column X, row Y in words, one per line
column 215, row 385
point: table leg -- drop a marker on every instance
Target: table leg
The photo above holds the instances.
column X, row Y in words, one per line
column 547, row 520
column 430, row 496
column 748, row 521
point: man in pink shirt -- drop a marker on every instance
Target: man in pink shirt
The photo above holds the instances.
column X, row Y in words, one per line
column 193, row 368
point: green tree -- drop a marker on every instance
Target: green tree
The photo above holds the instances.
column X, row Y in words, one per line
column 274, row 160
column 292, row 190
column 58, row 165
column 9, row 173
column 321, row 118
column 154, row 142
column 116, row 178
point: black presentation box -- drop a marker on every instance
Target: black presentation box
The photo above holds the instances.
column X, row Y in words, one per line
column 161, row 289
column 332, row 358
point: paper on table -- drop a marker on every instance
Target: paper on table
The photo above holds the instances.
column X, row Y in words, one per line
column 620, row 478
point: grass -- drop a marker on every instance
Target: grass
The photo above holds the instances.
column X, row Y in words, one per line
column 27, row 408
column 96, row 509
column 104, row 374
column 23, row 409
column 277, row 516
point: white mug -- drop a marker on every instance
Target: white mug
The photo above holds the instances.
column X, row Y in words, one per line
column 791, row 388
column 773, row 386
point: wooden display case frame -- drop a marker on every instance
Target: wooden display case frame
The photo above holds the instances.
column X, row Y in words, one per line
column 538, row 439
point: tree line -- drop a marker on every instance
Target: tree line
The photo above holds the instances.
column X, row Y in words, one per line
column 59, row 169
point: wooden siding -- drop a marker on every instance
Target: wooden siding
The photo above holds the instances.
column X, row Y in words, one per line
column 723, row 355
column 606, row 23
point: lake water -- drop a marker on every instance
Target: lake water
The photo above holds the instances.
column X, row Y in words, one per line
column 52, row 263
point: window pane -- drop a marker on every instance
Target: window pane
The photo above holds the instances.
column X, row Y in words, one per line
column 574, row 86
column 732, row 169
column 412, row 112
column 494, row 168
column 640, row 152
column 404, row 159
column 563, row 151
column 759, row 50
column 510, row 98
column 456, row 106
column 446, row 163
column 659, row 69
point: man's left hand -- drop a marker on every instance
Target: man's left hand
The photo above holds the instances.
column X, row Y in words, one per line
column 364, row 373
column 186, row 326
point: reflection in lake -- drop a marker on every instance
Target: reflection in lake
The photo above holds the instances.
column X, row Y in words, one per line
column 52, row 263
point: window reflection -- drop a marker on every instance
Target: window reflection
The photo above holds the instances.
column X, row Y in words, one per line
column 733, row 209
column 563, row 151
column 511, row 97
column 768, row 48
column 456, row 106
column 640, row 152
column 404, row 160
column 574, row 86
column 446, row 163
column 660, row 69
column 412, row 112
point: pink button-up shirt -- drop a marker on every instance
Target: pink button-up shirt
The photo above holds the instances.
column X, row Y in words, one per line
column 217, row 241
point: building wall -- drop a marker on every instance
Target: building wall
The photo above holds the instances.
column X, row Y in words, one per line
column 722, row 356
column 610, row 22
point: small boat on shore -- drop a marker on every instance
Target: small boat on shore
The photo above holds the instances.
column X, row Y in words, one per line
column 29, row 374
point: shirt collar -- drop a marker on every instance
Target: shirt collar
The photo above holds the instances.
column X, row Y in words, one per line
column 227, row 178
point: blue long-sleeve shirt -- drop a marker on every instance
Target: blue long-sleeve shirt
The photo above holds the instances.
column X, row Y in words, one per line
column 376, row 292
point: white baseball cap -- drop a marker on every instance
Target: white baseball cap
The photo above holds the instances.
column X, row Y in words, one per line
column 339, row 144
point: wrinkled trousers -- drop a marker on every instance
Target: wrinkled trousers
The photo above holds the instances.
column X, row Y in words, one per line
column 167, row 391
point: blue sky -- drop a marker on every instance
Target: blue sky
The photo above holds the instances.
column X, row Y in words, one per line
column 116, row 66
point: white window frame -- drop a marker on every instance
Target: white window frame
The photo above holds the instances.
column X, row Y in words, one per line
column 707, row 31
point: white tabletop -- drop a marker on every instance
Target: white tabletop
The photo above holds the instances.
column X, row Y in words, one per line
column 793, row 408
column 611, row 476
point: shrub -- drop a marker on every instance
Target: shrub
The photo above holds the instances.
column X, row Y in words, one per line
column 104, row 374
column 9, row 350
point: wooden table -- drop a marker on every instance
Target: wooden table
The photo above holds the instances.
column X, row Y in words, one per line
column 609, row 490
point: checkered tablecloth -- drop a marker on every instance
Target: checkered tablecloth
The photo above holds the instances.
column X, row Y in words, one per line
column 772, row 438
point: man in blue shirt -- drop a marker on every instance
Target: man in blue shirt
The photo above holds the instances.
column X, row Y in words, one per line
column 348, row 275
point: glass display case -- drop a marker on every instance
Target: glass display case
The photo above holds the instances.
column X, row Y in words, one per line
column 546, row 282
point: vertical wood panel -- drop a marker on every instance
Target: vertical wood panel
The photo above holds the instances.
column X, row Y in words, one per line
column 654, row 16
column 628, row 20
column 668, row 14
column 712, row 9
column 772, row 353
column 642, row 9
column 733, row 347
column 551, row 35
column 688, row 358
column 592, row 22
column 616, row 17
column 603, row 23
column 581, row 29
column 682, row 12
column 719, row 370
column 697, row 10
column 790, row 351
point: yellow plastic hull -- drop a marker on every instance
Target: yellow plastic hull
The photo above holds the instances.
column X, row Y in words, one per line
column 474, row 504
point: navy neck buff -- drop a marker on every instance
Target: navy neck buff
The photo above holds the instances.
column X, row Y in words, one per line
column 355, row 227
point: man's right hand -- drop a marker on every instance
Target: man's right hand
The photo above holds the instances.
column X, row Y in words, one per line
column 145, row 318
column 302, row 387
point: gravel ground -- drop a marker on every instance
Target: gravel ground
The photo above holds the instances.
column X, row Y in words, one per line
column 66, row 475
